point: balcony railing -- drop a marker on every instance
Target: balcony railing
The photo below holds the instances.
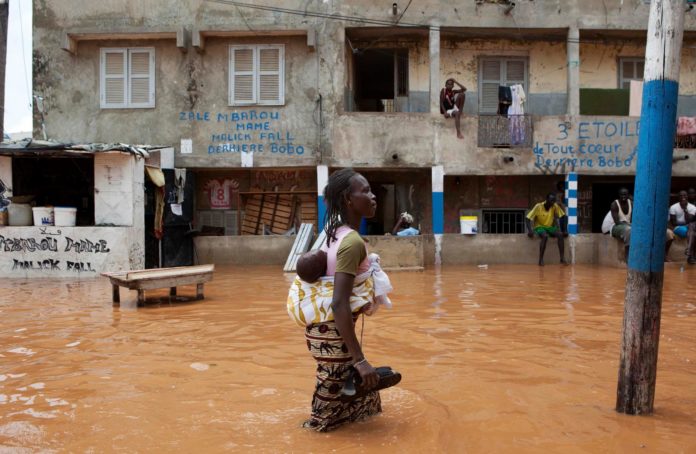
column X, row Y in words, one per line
column 512, row 131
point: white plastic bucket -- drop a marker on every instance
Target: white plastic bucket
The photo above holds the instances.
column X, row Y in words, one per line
column 43, row 216
column 65, row 216
column 468, row 225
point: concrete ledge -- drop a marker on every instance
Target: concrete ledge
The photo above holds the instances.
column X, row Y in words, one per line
column 72, row 37
column 416, row 252
column 244, row 249
column 398, row 252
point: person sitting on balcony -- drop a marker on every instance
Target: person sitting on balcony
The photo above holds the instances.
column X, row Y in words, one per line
column 452, row 103
column 546, row 218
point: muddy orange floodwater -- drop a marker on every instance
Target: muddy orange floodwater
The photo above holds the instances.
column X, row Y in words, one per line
column 503, row 359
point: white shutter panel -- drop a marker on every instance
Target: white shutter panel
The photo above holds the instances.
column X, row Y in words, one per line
column 491, row 80
column 113, row 78
column 242, row 71
column 141, row 78
column 515, row 72
column 270, row 83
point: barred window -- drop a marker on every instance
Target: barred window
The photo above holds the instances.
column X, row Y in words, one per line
column 503, row 221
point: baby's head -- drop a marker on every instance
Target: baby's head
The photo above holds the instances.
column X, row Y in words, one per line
column 311, row 265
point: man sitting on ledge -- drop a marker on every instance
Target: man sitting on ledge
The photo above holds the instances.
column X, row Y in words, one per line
column 546, row 218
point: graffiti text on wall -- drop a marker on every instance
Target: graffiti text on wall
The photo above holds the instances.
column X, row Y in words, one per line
column 52, row 245
column 247, row 131
column 589, row 145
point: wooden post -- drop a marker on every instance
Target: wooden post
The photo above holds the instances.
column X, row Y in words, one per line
column 643, row 301
column 115, row 294
column 172, row 291
column 199, row 291
column 141, row 297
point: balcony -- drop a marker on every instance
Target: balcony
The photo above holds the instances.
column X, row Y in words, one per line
column 499, row 131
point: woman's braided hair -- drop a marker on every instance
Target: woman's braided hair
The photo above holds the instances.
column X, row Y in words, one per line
column 334, row 196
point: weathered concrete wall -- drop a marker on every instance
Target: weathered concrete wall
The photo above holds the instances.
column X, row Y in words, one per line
column 192, row 87
column 547, row 70
column 590, row 145
column 244, row 249
column 417, row 251
column 74, row 252
column 599, row 64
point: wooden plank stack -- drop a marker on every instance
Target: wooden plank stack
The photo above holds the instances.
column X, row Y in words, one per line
column 268, row 213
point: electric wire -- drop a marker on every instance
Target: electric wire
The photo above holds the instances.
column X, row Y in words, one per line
column 480, row 34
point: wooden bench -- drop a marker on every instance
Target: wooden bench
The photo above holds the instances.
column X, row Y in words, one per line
column 142, row 280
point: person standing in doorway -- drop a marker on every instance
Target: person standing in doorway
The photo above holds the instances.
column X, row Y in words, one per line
column 543, row 219
column 452, row 103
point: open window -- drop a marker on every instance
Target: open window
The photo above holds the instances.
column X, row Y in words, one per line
column 56, row 181
column 381, row 80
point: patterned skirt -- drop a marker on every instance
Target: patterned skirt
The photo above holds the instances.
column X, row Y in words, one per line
column 333, row 365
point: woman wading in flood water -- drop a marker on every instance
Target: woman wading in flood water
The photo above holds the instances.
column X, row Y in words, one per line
column 329, row 312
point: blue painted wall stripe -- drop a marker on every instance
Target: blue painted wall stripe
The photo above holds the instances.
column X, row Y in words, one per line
column 572, row 211
column 653, row 173
column 573, row 229
column 438, row 212
column 321, row 210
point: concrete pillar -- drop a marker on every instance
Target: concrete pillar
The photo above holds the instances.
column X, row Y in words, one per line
column 322, row 181
column 573, row 51
column 438, row 208
column 571, row 197
column 434, row 69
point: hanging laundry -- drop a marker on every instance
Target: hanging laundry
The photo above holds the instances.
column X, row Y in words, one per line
column 516, row 115
column 504, row 99
column 686, row 126
column 179, row 183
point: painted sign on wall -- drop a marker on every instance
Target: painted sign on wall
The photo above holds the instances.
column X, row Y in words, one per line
column 251, row 131
column 592, row 144
column 80, row 250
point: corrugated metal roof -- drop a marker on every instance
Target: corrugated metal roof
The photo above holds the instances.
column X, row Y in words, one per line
column 33, row 147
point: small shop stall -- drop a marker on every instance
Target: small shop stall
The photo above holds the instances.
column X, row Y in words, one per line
column 76, row 209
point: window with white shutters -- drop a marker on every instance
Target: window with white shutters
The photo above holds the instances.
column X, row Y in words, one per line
column 497, row 71
column 630, row 69
column 257, row 75
column 127, row 78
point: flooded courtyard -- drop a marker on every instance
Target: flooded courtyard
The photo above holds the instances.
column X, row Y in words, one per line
column 503, row 359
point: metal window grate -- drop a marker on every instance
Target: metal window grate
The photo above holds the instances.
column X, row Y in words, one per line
column 499, row 131
column 503, row 221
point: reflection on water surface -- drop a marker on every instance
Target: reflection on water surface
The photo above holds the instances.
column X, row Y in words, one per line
column 509, row 358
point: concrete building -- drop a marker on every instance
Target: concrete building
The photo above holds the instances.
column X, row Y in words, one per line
column 261, row 99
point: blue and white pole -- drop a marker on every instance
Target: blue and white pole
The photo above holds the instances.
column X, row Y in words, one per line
column 571, row 197
column 438, row 209
column 322, row 181
column 643, row 301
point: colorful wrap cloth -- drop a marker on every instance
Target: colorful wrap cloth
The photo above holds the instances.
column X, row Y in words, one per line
column 311, row 303
column 686, row 126
column 333, row 366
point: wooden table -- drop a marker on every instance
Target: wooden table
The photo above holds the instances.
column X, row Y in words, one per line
column 142, row 280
